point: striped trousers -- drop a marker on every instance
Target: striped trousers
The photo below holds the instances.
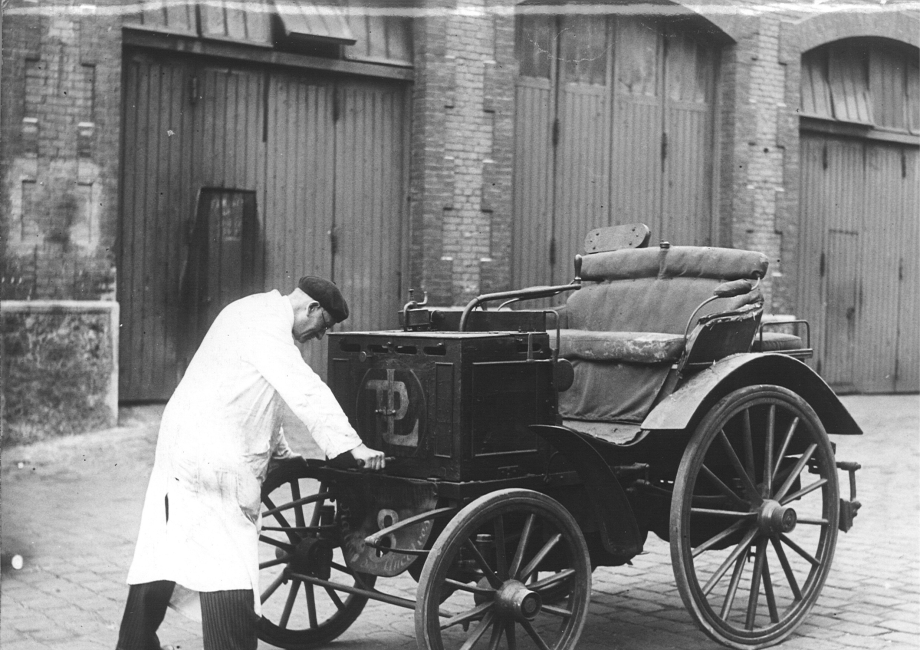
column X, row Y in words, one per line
column 228, row 621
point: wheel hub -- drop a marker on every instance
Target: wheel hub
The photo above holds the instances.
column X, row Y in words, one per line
column 313, row 556
column 516, row 600
column 775, row 518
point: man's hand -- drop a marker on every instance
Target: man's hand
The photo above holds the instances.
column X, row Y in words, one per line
column 368, row 458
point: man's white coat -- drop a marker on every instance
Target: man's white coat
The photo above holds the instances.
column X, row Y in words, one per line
column 219, row 431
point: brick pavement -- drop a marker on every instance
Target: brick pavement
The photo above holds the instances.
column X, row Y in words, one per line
column 72, row 510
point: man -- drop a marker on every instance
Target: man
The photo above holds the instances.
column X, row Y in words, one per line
column 221, row 428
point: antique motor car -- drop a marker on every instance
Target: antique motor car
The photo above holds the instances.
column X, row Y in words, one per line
column 529, row 446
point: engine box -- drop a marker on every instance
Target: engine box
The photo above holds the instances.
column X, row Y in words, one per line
column 455, row 406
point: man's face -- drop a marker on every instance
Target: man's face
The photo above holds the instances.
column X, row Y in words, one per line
column 311, row 323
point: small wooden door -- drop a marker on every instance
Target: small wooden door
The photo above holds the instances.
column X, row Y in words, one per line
column 842, row 294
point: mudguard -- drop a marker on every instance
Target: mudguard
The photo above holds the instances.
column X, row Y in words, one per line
column 617, row 523
column 697, row 394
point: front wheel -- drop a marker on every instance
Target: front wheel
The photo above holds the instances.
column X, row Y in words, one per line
column 754, row 517
column 511, row 570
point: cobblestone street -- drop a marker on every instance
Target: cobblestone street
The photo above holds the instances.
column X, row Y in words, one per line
column 71, row 509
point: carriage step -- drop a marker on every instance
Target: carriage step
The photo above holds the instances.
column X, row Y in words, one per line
column 849, row 509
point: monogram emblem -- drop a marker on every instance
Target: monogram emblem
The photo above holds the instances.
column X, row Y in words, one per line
column 391, row 404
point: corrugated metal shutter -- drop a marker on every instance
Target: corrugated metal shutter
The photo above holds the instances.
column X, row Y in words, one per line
column 190, row 126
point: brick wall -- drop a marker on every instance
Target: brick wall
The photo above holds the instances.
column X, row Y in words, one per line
column 59, row 119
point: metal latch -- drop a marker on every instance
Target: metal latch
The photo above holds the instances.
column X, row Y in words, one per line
column 849, row 509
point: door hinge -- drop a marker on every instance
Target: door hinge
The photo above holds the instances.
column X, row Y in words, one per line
column 821, row 266
column 336, row 107
column 664, row 145
column 556, row 129
column 333, row 241
column 193, row 90
column 903, row 164
column 552, row 252
column 901, row 269
column 824, row 157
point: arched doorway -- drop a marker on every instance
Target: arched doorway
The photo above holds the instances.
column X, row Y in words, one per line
column 858, row 225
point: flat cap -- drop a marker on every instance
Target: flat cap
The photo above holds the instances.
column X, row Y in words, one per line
column 326, row 294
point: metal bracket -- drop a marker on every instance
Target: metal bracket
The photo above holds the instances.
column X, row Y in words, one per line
column 849, row 509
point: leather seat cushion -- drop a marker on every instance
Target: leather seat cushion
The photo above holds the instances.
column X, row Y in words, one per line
column 775, row 341
column 631, row 347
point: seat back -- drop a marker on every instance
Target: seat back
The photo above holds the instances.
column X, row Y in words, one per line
column 657, row 289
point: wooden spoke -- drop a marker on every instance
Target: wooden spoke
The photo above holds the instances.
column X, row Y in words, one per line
column 796, row 470
column 532, row 633
column 724, row 513
column 501, row 559
column 724, row 489
column 715, row 539
column 768, row 452
column 787, row 568
column 749, row 486
column 552, row 581
column 298, row 529
column 479, row 630
column 289, row 605
column 556, row 611
column 755, row 585
column 317, row 509
column 804, row 491
column 275, row 562
column 473, row 589
column 272, row 588
column 274, row 542
column 748, row 439
column 785, row 446
column 768, row 590
column 313, row 498
column 732, row 588
column 801, row 551
column 311, row 604
column 539, row 557
column 275, row 512
column 522, row 545
column 298, row 510
column 483, row 565
column 496, row 637
column 466, row 616
column 510, row 635
column 742, row 548
column 334, row 597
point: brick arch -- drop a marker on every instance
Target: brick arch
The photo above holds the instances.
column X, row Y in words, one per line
column 726, row 23
column 811, row 32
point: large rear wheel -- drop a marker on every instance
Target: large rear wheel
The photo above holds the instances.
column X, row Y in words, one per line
column 754, row 517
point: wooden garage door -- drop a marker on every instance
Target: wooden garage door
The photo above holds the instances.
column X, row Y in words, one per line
column 320, row 160
column 858, row 261
column 613, row 124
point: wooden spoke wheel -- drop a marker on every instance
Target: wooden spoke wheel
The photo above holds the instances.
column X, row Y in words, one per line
column 754, row 517
column 299, row 536
column 480, row 585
